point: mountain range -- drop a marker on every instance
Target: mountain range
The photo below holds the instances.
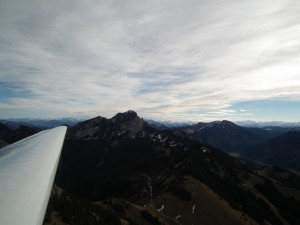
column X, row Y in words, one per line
column 8, row 136
column 224, row 135
column 249, row 123
column 38, row 124
column 123, row 170
column 143, row 175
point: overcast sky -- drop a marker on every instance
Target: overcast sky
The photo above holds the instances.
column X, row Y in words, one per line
column 198, row 60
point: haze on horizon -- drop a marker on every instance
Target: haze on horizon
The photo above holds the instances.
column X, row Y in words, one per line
column 197, row 60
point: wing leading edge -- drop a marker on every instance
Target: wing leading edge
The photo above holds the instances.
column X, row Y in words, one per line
column 27, row 171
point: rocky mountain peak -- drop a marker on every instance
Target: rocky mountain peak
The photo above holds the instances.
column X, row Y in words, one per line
column 129, row 121
column 128, row 116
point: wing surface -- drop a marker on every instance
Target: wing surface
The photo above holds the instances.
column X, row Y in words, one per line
column 27, row 171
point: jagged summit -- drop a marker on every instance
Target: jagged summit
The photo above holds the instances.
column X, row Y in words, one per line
column 99, row 127
column 130, row 115
column 129, row 121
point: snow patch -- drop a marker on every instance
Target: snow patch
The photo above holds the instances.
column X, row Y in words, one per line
column 193, row 210
column 204, row 150
column 162, row 207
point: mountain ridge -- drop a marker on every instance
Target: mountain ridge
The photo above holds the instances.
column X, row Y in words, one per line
column 131, row 173
column 283, row 150
column 224, row 135
column 144, row 166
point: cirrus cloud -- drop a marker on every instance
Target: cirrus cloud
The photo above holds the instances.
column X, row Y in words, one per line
column 168, row 59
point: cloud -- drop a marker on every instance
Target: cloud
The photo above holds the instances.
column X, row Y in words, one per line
column 172, row 58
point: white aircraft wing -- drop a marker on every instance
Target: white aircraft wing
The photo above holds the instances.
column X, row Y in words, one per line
column 27, row 171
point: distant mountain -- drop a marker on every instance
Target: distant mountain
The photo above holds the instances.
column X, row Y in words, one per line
column 142, row 175
column 224, row 135
column 8, row 136
column 168, row 123
column 249, row 123
column 157, row 125
column 39, row 124
column 271, row 132
column 20, row 133
column 283, row 151
column 5, row 132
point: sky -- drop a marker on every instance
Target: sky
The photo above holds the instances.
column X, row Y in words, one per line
column 184, row 60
